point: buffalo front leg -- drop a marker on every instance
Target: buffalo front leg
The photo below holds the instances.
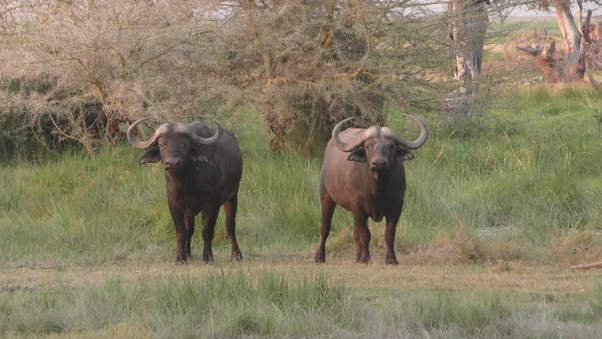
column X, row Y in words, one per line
column 230, row 208
column 179, row 217
column 328, row 207
column 208, row 231
column 390, row 258
column 189, row 219
column 362, row 236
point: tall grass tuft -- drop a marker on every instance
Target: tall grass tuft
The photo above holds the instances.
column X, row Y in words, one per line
column 523, row 177
column 264, row 303
column 596, row 299
column 230, row 304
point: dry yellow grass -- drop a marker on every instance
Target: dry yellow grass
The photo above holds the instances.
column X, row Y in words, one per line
column 500, row 276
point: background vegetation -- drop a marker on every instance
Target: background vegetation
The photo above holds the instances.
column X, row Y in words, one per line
column 80, row 72
column 527, row 176
column 497, row 210
column 499, row 204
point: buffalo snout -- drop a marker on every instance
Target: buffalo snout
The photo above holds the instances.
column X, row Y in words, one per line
column 379, row 164
column 172, row 163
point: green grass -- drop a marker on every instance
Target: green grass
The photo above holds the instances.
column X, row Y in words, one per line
column 268, row 304
column 529, row 173
column 513, row 28
column 221, row 304
column 229, row 302
column 518, row 187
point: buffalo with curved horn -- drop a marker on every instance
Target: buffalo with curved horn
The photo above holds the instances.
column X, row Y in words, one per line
column 363, row 172
column 203, row 167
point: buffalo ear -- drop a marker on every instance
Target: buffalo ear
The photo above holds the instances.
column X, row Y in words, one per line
column 358, row 155
column 197, row 155
column 403, row 154
column 150, row 156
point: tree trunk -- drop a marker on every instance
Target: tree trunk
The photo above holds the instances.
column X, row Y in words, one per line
column 469, row 26
column 574, row 60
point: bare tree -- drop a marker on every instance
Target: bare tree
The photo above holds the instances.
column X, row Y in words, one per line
column 579, row 42
column 85, row 68
column 469, row 22
column 573, row 60
column 313, row 63
column 101, row 62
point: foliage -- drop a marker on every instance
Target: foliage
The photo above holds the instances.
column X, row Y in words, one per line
column 580, row 38
column 315, row 63
column 87, row 69
column 91, row 240
column 240, row 304
column 527, row 178
column 87, row 66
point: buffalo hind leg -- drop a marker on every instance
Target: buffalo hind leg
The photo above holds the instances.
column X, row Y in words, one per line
column 362, row 236
column 208, row 231
column 179, row 218
column 230, row 208
column 328, row 207
column 390, row 258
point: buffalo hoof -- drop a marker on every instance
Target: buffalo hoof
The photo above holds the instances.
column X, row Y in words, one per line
column 208, row 260
column 237, row 255
column 181, row 262
column 392, row 261
column 181, row 258
column 207, row 256
column 321, row 256
column 363, row 260
column 391, row 258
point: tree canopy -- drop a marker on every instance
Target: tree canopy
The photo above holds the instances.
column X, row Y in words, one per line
column 86, row 68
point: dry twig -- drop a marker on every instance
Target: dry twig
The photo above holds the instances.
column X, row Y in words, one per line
column 587, row 266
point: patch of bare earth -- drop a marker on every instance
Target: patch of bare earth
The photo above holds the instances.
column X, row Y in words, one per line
column 516, row 276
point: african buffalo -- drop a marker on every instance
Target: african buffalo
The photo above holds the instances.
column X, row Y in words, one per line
column 203, row 168
column 363, row 172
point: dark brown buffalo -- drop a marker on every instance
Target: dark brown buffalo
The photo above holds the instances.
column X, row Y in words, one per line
column 203, row 167
column 363, row 172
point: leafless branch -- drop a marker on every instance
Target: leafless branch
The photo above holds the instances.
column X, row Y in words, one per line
column 587, row 266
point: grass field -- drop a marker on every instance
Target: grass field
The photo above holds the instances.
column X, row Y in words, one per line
column 504, row 36
column 498, row 208
column 287, row 296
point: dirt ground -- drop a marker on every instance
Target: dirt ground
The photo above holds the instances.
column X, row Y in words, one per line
column 512, row 276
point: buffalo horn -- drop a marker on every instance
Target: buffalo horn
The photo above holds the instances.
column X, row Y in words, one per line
column 144, row 145
column 335, row 136
column 365, row 135
column 408, row 144
column 200, row 140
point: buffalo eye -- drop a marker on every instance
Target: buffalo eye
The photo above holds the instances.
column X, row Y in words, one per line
column 162, row 146
column 184, row 145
